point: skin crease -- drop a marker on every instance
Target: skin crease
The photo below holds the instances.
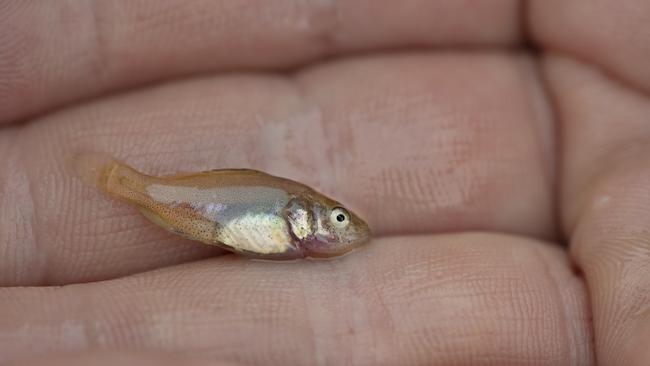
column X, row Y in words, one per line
column 508, row 189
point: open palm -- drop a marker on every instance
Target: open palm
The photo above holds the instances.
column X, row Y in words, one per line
column 499, row 150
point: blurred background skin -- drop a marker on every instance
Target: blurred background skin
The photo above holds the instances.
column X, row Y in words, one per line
column 498, row 149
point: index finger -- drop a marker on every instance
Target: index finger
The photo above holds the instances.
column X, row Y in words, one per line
column 52, row 53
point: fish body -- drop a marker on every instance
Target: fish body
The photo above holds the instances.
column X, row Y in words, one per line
column 244, row 211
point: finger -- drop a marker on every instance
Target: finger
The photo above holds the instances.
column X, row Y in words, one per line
column 456, row 299
column 417, row 143
column 606, row 203
column 613, row 34
column 56, row 52
column 103, row 358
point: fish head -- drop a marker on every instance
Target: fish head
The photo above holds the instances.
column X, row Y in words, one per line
column 324, row 228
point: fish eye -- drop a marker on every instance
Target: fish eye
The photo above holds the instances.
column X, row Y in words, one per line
column 339, row 217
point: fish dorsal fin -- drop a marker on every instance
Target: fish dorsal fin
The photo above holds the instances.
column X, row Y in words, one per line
column 234, row 170
column 186, row 175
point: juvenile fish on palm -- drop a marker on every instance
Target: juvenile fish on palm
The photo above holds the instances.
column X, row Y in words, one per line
column 245, row 211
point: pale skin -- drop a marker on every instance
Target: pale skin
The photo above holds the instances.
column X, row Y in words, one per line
column 508, row 190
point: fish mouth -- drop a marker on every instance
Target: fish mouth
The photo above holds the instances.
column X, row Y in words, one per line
column 316, row 247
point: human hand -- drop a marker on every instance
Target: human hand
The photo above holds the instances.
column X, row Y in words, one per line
column 483, row 168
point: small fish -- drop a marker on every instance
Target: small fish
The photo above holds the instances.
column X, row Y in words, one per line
column 241, row 210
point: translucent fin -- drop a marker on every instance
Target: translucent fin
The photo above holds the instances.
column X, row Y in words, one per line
column 111, row 176
column 212, row 172
column 156, row 219
column 92, row 168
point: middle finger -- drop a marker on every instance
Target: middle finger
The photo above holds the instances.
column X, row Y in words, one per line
column 415, row 143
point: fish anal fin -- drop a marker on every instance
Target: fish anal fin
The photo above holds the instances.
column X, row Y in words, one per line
column 156, row 219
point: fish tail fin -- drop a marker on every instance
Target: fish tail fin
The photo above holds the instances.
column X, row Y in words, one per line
column 110, row 176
